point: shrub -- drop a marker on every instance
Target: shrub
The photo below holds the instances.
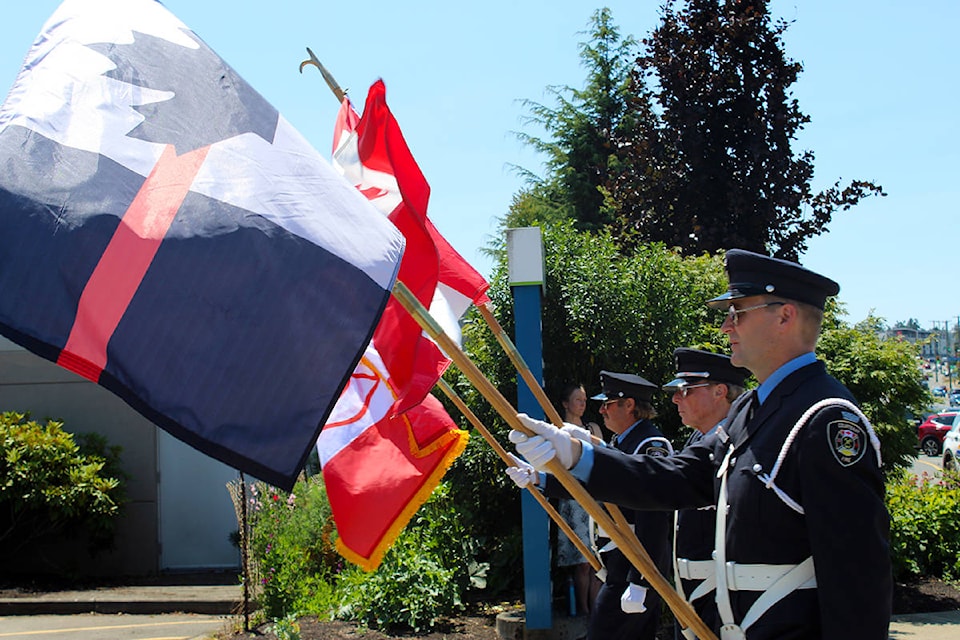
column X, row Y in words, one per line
column 422, row 578
column 292, row 549
column 50, row 485
column 925, row 525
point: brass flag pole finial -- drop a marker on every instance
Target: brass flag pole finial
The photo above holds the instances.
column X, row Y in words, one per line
column 327, row 76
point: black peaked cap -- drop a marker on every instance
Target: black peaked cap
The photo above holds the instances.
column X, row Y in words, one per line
column 624, row 385
column 753, row 274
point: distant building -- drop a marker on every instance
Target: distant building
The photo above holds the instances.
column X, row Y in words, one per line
column 928, row 347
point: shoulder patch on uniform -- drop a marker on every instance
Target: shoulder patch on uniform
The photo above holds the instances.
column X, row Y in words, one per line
column 847, row 441
column 656, row 450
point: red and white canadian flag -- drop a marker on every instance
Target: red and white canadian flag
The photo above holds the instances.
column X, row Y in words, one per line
column 389, row 442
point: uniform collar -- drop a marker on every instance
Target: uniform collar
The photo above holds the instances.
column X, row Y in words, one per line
column 621, row 436
column 765, row 389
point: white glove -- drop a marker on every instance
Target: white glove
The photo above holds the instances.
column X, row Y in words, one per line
column 577, row 432
column 549, row 443
column 632, row 600
column 522, row 473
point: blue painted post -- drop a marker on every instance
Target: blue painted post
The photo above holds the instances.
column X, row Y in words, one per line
column 525, row 264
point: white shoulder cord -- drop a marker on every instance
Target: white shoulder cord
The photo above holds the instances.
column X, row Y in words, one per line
column 768, row 480
column 666, row 443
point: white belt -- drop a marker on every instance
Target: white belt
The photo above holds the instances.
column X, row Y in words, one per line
column 694, row 569
column 740, row 577
column 760, row 577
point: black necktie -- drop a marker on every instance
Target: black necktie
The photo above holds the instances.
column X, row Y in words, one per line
column 752, row 404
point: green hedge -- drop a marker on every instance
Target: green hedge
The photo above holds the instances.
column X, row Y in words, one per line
column 925, row 525
column 53, row 483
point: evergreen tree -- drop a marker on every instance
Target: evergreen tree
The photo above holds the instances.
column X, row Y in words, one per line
column 583, row 126
column 711, row 164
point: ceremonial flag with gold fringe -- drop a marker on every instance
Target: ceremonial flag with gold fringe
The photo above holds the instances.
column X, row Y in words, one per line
column 389, row 441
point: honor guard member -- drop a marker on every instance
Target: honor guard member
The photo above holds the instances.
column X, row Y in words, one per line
column 626, row 608
column 801, row 547
column 705, row 386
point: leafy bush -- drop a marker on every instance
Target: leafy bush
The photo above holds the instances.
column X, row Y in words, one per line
column 411, row 588
column 925, row 525
column 423, row 577
column 50, row 484
column 292, row 548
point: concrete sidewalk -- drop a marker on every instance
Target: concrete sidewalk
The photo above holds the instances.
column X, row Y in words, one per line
column 227, row 599
column 148, row 599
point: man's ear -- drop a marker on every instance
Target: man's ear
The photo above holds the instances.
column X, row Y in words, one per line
column 789, row 313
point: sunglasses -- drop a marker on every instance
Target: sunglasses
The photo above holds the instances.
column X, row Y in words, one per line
column 684, row 390
column 733, row 314
column 607, row 403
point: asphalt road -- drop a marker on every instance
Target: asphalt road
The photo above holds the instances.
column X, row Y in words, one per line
column 926, row 464
column 93, row 626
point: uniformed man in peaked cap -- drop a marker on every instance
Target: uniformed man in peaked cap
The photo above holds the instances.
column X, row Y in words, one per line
column 626, row 608
column 705, row 386
column 801, row 547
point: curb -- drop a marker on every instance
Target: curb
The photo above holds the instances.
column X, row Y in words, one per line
column 26, row 607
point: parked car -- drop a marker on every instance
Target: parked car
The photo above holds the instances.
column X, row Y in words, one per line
column 951, row 447
column 954, row 397
column 930, row 432
column 940, row 392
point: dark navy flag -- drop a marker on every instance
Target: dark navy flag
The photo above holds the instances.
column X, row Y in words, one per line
column 165, row 233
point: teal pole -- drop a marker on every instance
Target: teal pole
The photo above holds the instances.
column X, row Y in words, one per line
column 536, row 523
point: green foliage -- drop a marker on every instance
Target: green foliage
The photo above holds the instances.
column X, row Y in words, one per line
column 292, row 548
column 422, row 578
column 925, row 525
column 584, row 124
column 425, row 574
column 884, row 376
column 286, row 628
column 50, row 485
column 488, row 518
column 688, row 140
column 603, row 310
column 411, row 588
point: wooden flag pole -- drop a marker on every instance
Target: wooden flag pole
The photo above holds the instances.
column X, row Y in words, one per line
column 619, row 531
column 504, row 341
column 521, row 366
column 511, row 350
column 539, row 497
column 633, row 550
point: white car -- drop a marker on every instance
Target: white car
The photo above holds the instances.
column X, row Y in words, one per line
column 951, row 446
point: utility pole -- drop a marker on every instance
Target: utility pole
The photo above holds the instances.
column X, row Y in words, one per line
column 946, row 338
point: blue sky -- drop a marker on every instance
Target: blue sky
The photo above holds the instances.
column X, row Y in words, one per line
column 879, row 84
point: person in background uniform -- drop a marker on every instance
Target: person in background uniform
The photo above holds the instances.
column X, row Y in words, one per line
column 625, row 608
column 705, row 386
column 802, row 529
column 572, row 404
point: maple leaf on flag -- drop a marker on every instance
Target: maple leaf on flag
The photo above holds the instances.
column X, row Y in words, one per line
column 380, row 464
column 169, row 236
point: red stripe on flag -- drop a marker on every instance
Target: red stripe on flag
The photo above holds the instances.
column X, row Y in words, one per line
column 126, row 259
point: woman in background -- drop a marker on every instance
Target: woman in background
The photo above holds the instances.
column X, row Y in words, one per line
column 572, row 404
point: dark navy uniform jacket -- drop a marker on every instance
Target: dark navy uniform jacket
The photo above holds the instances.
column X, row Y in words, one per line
column 831, row 470
column 694, row 541
column 608, row 621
